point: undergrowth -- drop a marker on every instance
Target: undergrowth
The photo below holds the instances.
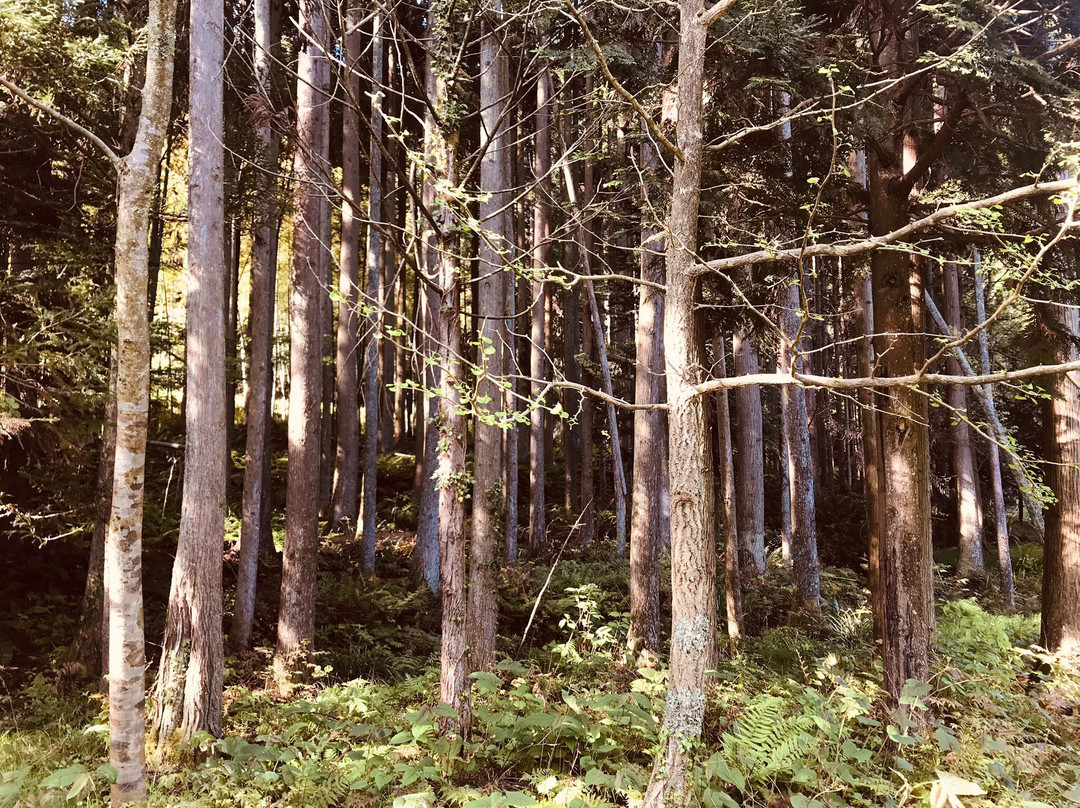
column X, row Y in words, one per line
column 568, row 718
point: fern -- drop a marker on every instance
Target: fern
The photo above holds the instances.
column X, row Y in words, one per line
column 766, row 740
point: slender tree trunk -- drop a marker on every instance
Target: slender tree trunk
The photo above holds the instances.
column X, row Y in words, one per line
column 729, row 527
column 91, row 640
column 648, row 444
column 873, row 460
column 800, row 472
column 538, row 368
column 123, row 542
column 254, row 525
column 1008, row 590
column 489, row 494
column 749, row 460
column 1061, row 555
column 970, row 564
column 190, row 683
column 693, row 550
column 374, row 298
column 346, row 363
column 296, row 618
column 445, row 316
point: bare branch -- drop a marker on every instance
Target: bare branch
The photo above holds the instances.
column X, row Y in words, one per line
column 654, row 128
column 868, row 245
column 878, row 382
column 715, row 12
column 41, row 106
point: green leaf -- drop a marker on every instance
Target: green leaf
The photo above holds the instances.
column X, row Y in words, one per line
column 421, row 799
column 64, row 778
column 718, row 767
column 718, row 798
column 957, row 786
column 486, row 682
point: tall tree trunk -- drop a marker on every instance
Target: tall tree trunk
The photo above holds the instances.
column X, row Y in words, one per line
column 728, row 510
column 346, row 363
column 373, row 294
column 1061, row 564
column 489, row 494
column 296, row 618
column 254, row 525
column 123, row 542
column 648, row 441
column 970, row 563
column 190, row 683
column 800, row 472
column 749, row 459
column 693, row 551
column 538, row 368
column 1008, row 590
column 445, row 316
column 91, row 640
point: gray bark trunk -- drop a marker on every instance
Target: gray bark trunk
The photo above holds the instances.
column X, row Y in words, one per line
column 347, row 464
column 728, row 510
column 489, row 491
column 693, row 550
column 123, row 542
column 373, row 297
column 296, row 618
column 190, row 683
column 254, row 526
column 1001, row 524
column 645, row 514
column 970, row 563
column 800, row 472
column 538, row 364
column 749, row 460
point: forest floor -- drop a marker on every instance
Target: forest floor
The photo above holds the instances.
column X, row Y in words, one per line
column 567, row 718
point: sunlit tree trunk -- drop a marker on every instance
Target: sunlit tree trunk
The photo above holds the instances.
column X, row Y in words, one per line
column 538, row 362
column 1061, row 564
column 254, row 526
column 190, row 683
column 123, row 542
column 693, row 549
column 296, row 618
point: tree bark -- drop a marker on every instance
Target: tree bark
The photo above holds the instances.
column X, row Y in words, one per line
column 693, row 551
column 728, row 512
column 970, row 563
column 190, row 683
column 1001, row 523
column 123, row 542
column 445, row 316
column 645, row 514
column 254, row 524
column 296, row 618
column 800, row 473
column 489, row 490
column 346, row 364
column 538, row 365
column 373, row 297
column 1061, row 553
column 749, row 460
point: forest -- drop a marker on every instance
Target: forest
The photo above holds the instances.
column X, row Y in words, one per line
column 434, row 404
